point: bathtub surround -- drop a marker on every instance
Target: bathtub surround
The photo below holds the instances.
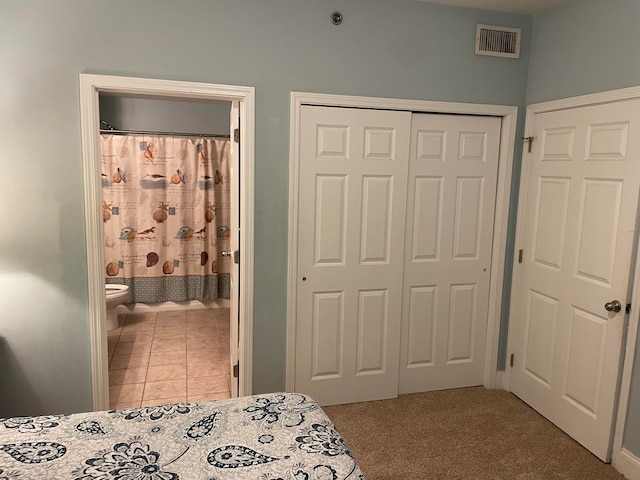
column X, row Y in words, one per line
column 172, row 306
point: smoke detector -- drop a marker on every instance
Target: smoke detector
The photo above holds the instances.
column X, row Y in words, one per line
column 498, row 41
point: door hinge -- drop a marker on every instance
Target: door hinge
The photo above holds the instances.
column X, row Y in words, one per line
column 511, row 360
column 236, row 135
column 530, row 140
column 628, row 309
column 236, row 370
column 236, row 256
column 520, row 256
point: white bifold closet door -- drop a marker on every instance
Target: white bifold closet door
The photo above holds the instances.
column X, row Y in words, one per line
column 353, row 176
column 453, row 168
column 395, row 224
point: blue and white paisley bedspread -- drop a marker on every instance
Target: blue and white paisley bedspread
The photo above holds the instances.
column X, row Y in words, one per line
column 281, row 436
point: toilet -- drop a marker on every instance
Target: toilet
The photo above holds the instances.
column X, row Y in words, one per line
column 116, row 294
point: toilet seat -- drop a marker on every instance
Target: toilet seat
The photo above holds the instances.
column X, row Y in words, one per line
column 114, row 290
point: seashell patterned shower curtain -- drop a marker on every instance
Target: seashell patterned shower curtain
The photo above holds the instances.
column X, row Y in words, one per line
column 166, row 217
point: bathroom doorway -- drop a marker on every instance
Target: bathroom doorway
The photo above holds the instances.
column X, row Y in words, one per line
column 150, row 338
column 166, row 218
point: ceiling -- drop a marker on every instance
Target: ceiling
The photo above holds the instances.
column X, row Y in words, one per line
column 527, row 7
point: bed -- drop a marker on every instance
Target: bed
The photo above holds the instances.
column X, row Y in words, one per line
column 280, row 436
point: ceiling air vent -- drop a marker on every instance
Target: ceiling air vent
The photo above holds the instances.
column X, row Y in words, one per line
column 498, row 41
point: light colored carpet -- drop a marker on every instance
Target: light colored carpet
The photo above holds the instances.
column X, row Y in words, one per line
column 469, row 433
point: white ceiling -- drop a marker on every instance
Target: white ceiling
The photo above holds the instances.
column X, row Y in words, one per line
column 528, row 7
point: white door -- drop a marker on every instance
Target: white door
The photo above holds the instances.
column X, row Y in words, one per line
column 234, row 185
column 453, row 165
column 352, row 184
column 579, row 224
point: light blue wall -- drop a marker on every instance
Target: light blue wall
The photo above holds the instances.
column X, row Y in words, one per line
column 589, row 46
column 584, row 46
column 386, row 48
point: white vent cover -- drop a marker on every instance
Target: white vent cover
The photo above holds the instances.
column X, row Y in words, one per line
column 498, row 41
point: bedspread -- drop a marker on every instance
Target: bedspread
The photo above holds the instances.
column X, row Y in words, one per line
column 281, row 436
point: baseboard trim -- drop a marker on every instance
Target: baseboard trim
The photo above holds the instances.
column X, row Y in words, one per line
column 499, row 381
column 627, row 464
column 172, row 306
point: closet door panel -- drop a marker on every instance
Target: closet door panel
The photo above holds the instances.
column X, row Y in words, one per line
column 352, row 200
column 453, row 164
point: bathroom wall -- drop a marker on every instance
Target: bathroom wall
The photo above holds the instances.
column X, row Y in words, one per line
column 165, row 115
column 386, row 48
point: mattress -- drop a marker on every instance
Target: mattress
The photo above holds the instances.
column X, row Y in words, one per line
column 280, row 436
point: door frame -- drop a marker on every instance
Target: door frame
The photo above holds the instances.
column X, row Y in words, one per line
column 623, row 460
column 508, row 114
column 90, row 87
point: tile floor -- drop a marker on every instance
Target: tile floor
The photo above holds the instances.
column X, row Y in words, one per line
column 169, row 357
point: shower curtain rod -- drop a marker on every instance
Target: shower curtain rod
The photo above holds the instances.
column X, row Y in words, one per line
column 160, row 134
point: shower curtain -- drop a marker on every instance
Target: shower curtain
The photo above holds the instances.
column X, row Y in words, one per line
column 166, row 217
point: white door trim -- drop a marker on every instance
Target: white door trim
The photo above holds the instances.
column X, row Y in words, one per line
column 626, row 463
column 620, row 95
column 90, row 87
column 507, row 142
